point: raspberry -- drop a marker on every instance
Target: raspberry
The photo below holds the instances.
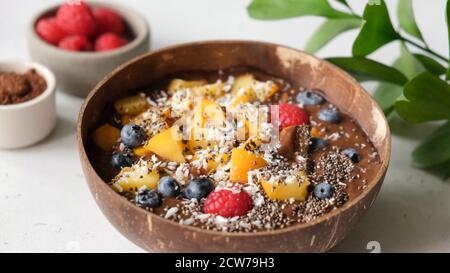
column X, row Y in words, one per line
column 108, row 21
column 109, row 41
column 76, row 19
column 290, row 115
column 228, row 202
column 50, row 31
column 76, row 43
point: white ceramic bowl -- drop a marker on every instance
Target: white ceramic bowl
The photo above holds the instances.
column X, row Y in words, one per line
column 26, row 123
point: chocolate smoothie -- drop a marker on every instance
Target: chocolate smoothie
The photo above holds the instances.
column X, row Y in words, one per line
column 336, row 158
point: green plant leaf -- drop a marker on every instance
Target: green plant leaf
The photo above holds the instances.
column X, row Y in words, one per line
column 367, row 69
column 329, row 30
column 387, row 93
column 408, row 63
column 344, row 2
column 447, row 76
column 416, row 112
column 428, row 87
column 377, row 30
column 426, row 98
column 446, row 173
column 447, row 16
column 406, row 18
column 435, row 149
column 281, row 9
column 430, row 64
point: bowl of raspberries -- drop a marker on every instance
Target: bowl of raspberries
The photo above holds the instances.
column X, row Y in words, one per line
column 83, row 41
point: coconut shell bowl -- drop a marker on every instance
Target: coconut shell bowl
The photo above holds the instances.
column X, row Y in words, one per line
column 156, row 234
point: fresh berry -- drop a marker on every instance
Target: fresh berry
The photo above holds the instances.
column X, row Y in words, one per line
column 291, row 115
column 133, row 135
column 109, row 41
column 146, row 198
column 168, row 187
column 198, row 188
column 50, row 31
column 76, row 19
column 352, row 154
column 75, row 43
column 228, row 202
column 331, row 115
column 309, row 98
column 317, row 143
column 108, row 21
column 119, row 160
column 323, row 190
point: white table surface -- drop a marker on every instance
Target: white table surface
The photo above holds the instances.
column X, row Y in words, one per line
column 45, row 205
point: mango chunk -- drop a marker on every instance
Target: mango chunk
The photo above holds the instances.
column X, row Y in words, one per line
column 265, row 90
column 284, row 191
column 243, row 161
column 106, row 137
column 178, row 84
column 253, row 89
column 240, row 99
column 168, row 145
column 198, row 144
column 209, row 90
column 210, row 112
column 131, row 179
column 218, row 161
column 131, row 105
column 315, row 132
column 250, row 121
column 206, row 112
column 243, row 86
column 141, row 151
column 251, row 144
column 214, row 161
column 126, row 119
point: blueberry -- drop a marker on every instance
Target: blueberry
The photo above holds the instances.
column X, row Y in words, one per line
column 168, row 187
column 331, row 115
column 133, row 135
column 317, row 143
column 323, row 190
column 309, row 98
column 352, row 154
column 147, row 198
column 198, row 188
column 119, row 160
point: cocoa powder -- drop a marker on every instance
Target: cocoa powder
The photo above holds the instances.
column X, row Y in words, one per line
column 17, row 88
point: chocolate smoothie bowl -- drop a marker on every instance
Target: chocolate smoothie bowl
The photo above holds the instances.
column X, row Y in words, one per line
column 232, row 147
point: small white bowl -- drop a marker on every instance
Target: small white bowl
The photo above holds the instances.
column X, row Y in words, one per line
column 26, row 123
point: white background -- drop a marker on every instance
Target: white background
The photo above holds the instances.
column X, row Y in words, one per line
column 45, row 204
